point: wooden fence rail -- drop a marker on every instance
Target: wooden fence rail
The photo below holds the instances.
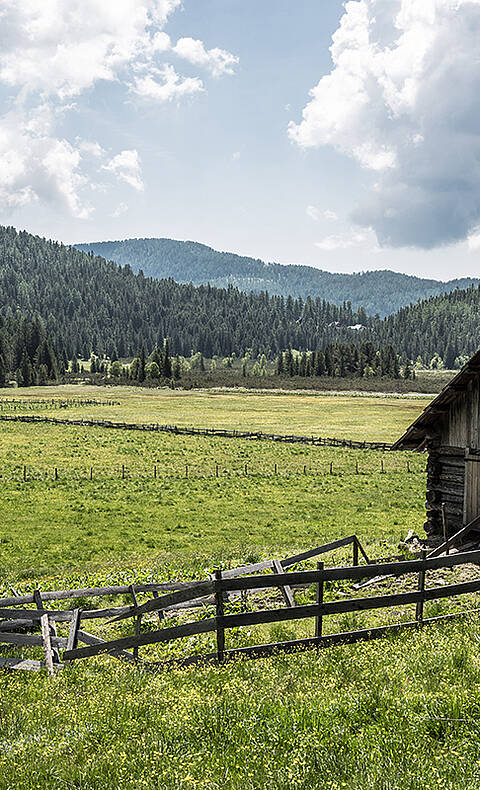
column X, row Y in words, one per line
column 16, row 624
column 186, row 431
column 223, row 621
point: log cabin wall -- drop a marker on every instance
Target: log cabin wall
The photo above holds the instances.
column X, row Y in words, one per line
column 453, row 469
column 445, row 483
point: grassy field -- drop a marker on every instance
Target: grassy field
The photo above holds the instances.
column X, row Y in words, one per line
column 372, row 417
column 399, row 713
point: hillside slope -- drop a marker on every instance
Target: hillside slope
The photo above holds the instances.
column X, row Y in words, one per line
column 88, row 304
column 381, row 292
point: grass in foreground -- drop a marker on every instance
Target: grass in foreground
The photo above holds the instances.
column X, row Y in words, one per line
column 399, row 713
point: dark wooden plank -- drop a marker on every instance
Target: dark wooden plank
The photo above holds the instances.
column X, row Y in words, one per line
column 29, row 640
column 346, row 637
column 319, row 601
column 201, row 588
column 359, row 572
column 219, row 619
column 90, row 639
column 74, row 629
column 33, row 615
column 306, row 555
column 421, row 588
column 285, row 589
column 349, row 605
column 165, row 635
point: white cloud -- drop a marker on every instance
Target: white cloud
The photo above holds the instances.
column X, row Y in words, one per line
column 52, row 53
column 126, row 167
column 342, row 241
column 91, row 148
column 473, row 241
column 63, row 48
column 362, row 240
column 170, row 86
column 37, row 165
column 330, row 215
column 217, row 61
column 403, row 99
column 316, row 214
column 121, row 209
column 236, row 156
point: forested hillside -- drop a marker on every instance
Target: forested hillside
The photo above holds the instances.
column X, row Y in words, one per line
column 447, row 325
column 85, row 304
column 88, row 304
column 381, row 292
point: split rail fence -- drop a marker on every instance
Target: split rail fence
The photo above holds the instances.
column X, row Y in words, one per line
column 14, row 404
column 186, row 431
column 225, row 587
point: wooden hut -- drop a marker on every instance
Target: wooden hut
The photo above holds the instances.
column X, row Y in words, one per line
column 449, row 430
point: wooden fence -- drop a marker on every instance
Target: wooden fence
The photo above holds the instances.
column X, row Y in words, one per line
column 186, row 595
column 185, row 431
column 225, row 587
column 221, row 622
column 207, row 470
column 14, row 404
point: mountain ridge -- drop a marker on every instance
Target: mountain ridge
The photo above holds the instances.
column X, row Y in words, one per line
column 377, row 291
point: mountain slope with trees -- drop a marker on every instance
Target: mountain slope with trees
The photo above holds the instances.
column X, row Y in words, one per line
column 381, row 292
column 76, row 304
column 87, row 304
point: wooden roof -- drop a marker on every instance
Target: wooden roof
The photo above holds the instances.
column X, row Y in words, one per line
column 416, row 436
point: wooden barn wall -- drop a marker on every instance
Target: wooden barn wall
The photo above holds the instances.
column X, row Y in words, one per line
column 445, row 484
column 462, row 425
column 451, row 477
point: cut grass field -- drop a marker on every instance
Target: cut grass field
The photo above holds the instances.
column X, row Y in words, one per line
column 399, row 713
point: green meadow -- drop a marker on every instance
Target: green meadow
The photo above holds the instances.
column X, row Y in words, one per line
column 121, row 507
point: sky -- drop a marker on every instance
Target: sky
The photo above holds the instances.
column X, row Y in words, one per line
column 344, row 136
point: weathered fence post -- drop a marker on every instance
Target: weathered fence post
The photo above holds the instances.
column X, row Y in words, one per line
column 319, row 601
column 154, row 471
column 123, row 471
column 445, row 530
column 421, row 588
column 355, row 550
column 56, row 473
column 219, row 613
column 246, row 469
column 138, row 620
column 275, row 468
column 24, row 473
column 186, row 470
column 74, row 628
column 91, row 473
column 216, row 470
column 331, row 467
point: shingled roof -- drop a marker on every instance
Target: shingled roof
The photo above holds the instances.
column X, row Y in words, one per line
column 417, row 434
